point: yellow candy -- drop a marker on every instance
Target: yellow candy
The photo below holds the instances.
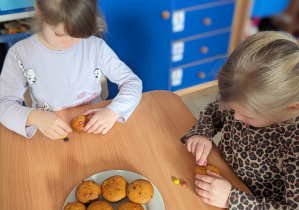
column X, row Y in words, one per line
column 176, row 181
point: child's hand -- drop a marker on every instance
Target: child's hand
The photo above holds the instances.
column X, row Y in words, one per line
column 200, row 147
column 213, row 189
column 102, row 120
column 49, row 124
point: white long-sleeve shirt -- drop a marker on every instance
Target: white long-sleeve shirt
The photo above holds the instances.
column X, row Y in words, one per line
column 62, row 79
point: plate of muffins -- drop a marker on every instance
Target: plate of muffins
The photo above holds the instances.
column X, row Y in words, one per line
column 115, row 190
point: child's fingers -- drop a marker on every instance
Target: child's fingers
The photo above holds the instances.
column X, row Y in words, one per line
column 204, row 155
column 99, row 129
column 189, row 144
column 90, row 123
column 89, row 112
column 203, row 185
column 57, row 131
column 193, row 147
column 212, row 174
column 60, row 132
column 203, row 193
column 198, row 155
column 93, row 127
column 66, row 128
column 204, row 178
column 206, row 200
column 52, row 134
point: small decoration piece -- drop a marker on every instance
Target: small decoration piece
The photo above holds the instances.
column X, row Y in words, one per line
column 184, row 184
column 176, row 181
column 65, row 138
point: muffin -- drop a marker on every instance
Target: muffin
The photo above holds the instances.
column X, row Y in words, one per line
column 140, row 191
column 88, row 191
column 75, row 206
column 78, row 123
column 100, row 205
column 202, row 170
column 130, row 206
column 114, row 188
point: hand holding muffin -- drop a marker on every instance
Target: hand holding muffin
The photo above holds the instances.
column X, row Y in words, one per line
column 101, row 120
column 212, row 188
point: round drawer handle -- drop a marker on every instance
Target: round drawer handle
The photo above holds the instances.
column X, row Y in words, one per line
column 207, row 21
column 165, row 15
column 204, row 50
column 201, row 75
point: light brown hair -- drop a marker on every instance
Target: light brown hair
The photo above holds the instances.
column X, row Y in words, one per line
column 81, row 18
column 263, row 75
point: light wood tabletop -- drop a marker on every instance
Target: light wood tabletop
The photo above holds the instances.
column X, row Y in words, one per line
column 39, row 173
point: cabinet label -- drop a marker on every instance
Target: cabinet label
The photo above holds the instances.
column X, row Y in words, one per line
column 177, row 51
column 178, row 21
column 176, row 77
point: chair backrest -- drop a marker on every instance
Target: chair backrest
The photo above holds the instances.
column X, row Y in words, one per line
column 27, row 98
column 104, row 94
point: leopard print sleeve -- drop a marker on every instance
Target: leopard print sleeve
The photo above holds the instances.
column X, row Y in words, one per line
column 290, row 168
column 241, row 200
column 209, row 123
column 290, row 197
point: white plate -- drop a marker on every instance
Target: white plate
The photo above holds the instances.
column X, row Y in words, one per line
column 156, row 203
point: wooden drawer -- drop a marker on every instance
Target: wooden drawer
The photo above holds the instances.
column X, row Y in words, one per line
column 186, row 24
column 187, row 77
column 181, row 4
column 199, row 49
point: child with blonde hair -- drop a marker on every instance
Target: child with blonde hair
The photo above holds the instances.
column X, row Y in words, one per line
column 258, row 115
column 62, row 65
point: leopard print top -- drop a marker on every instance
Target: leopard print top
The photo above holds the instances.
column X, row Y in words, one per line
column 266, row 159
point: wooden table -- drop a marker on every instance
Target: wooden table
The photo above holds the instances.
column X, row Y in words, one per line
column 39, row 173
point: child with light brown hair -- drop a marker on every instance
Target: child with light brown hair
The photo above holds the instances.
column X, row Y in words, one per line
column 258, row 115
column 62, row 65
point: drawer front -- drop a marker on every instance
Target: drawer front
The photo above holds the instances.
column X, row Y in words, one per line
column 199, row 49
column 185, row 24
column 181, row 4
column 195, row 75
column 15, row 4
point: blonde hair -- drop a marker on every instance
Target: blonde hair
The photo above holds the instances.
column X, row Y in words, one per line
column 263, row 75
column 81, row 18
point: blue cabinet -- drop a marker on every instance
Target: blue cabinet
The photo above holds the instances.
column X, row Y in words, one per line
column 7, row 5
column 141, row 38
column 171, row 44
column 267, row 8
